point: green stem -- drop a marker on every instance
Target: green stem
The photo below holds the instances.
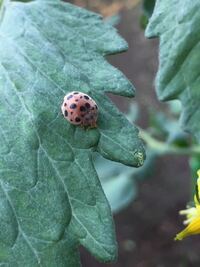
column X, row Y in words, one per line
column 164, row 148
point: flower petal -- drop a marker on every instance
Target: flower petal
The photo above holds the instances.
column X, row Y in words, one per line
column 192, row 229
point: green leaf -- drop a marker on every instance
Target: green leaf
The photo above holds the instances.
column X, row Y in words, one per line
column 194, row 162
column 117, row 182
column 51, row 197
column 148, row 7
column 177, row 23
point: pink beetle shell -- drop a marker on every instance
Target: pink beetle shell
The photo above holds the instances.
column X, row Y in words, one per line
column 80, row 109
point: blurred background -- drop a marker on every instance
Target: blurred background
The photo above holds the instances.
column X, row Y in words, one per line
column 146, row 201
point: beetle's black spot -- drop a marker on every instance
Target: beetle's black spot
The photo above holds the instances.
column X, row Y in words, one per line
column 82, row 116
column 77, row 119
column 76, row 93
column 82, row 108
column 73, row 106
column 86, row 97
column 96, row 107
column 81, row 96
column 71, row 112
column 65, row 104
column 71, row 120
column 76, row 100
column 66, row 113
column 92, row 108
column 87, row 105
column 69, row 97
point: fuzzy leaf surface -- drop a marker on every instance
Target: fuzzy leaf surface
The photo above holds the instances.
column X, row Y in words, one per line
column 177, row 24
column 51, row 200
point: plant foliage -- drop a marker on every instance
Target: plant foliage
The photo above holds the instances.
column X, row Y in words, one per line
column 51, row 200
column 148, row 6
column 177, row 23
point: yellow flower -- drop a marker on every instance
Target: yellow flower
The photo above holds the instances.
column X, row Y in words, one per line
column 192, row 215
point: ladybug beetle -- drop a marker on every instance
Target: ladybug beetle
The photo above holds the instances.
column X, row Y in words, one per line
column 80, row 109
